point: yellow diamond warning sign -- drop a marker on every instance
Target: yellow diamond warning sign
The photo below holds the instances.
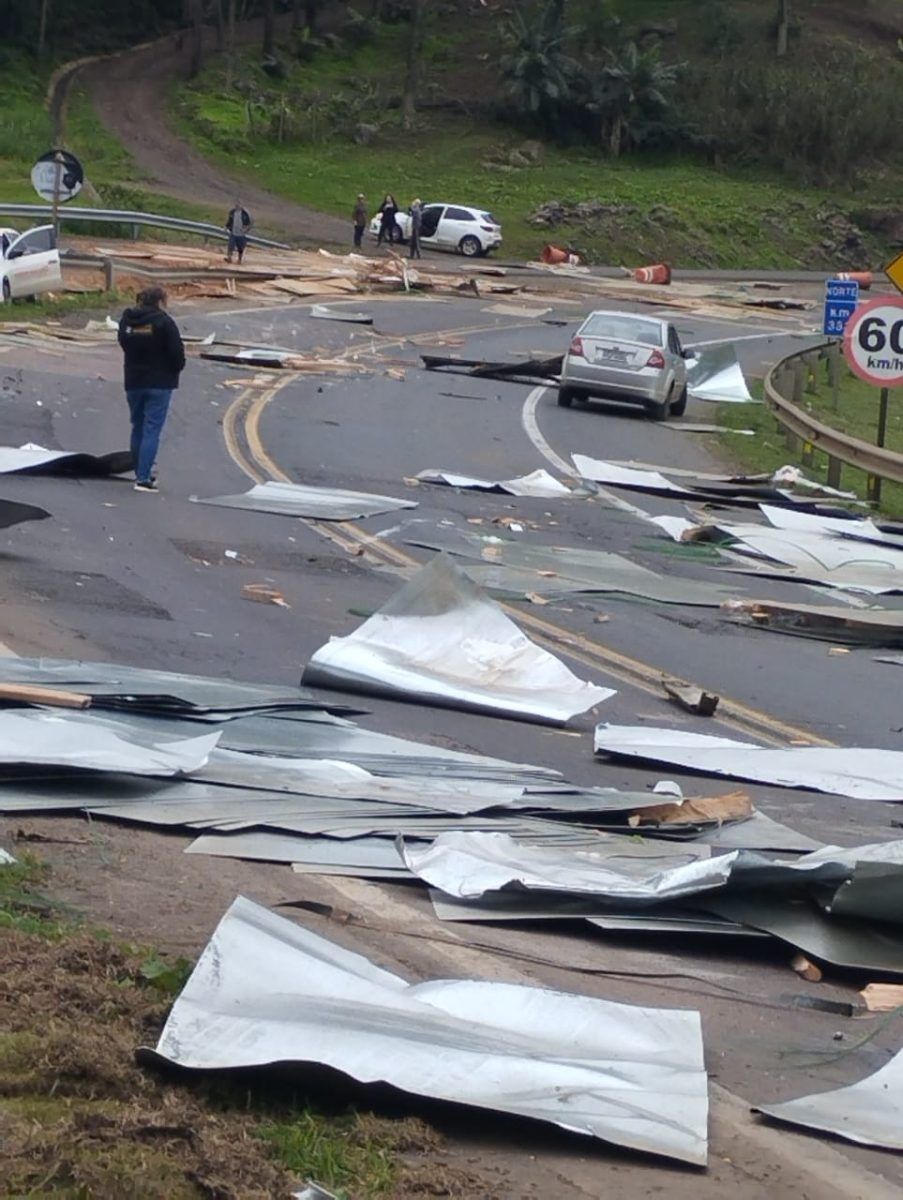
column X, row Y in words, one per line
column 894, row 271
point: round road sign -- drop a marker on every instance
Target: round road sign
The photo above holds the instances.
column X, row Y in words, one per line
column 873, row 342
column 57, row 175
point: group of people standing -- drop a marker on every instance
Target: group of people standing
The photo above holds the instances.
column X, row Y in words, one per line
column 389, row 230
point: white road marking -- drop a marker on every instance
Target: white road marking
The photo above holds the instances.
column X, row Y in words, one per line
column 535, row 434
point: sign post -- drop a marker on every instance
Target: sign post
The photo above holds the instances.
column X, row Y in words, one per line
column 57, row 176
column 841, row 298
column 873, row 347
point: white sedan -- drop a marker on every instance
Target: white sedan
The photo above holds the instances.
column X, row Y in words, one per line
column 469, row 231
column 29, row 263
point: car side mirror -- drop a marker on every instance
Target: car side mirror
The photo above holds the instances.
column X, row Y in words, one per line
column 15, row 254
column 688, row 354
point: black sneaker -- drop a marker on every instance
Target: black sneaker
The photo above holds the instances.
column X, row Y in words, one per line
column 146, row 486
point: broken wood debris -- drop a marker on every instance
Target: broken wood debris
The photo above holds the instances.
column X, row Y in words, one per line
column 690, row 697
column 547, row 367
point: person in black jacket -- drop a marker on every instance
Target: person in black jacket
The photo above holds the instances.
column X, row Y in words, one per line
column 238, row 223
column 388, row 211
column 154, row 360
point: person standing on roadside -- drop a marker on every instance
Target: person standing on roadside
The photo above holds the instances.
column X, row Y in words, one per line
column 388, row 228
column 359, row 217
column 416, row 223
column 154, row 358
column 238, row 223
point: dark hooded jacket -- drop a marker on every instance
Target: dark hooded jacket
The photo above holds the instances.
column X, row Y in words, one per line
column 154, row 354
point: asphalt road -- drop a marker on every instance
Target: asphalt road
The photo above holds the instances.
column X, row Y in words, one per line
column 146, row 579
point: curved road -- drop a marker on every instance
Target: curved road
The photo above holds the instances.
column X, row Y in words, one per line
column 131, row 94
column 146, row 579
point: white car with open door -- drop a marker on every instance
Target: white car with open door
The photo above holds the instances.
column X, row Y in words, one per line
column 29, row 263
column 469, row 231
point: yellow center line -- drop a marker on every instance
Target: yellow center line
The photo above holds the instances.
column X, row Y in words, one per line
column 245, row 413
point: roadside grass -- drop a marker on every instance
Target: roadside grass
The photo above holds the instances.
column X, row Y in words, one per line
column 856, row 414
column 680, row 210
column 79, row 1118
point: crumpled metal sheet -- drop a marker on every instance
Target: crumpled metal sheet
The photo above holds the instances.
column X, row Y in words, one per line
column 331, row 856
column 325, row 312
column 143, row 689
column 858, row 945
column 48, row 739
column 616, row 475
column 869, row 1112
column 502, row 907
column 442, row 641
column 468, row 865
column 266, row 991
column 12, row 512
column 304, row 500
column 537, row 483
column 715, row 374
column 517, row 567
column 5, row 858
column 857, row 772
column 32, row 459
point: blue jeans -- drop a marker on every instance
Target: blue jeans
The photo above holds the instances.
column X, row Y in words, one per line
column 148, row 408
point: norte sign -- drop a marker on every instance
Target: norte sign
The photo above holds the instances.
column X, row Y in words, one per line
column 873, row 342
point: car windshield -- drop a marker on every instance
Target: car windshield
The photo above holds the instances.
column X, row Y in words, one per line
column 623, row 328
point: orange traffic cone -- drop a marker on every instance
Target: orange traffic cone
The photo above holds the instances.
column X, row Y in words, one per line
column 554, row 255
column 865, row 279
column 659, row 273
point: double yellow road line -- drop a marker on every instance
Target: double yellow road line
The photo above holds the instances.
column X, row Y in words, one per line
column 241, row 430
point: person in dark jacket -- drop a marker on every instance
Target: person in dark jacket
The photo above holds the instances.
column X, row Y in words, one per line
column 416, row 224
column 238, row 224
column 359, row 216
column 388, row 211
column 154, row 360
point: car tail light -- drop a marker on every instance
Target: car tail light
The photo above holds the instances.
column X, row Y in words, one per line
column 577, row 348
column 656, row 359
column 489, row 228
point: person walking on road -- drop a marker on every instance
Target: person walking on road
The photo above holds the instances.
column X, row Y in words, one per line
column 416, row 223
column 238, row 223
column 154, row 358
column 388, row 228
column 360, row 219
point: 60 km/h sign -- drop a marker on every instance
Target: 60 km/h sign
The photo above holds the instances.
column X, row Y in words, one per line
column 873, row 342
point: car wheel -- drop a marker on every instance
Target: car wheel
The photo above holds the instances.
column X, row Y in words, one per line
column 679, row 407
column 566, row 397
column 470, row 246
column 655, row 411
column 7, row 292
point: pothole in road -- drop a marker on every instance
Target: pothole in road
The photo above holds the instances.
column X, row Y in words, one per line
column 86, row 589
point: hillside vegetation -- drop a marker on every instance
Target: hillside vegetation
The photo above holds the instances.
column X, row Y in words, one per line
column 633, row 130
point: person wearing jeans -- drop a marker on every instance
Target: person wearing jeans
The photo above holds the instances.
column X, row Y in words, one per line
column 154, row 358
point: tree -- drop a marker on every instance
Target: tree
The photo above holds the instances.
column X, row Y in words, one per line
column 540, row 75
column 634, row 96
column 42, row 27
column 230, row 42
column 196, row 59
column 311, row 12
column 269, row 28
column 783, row 27
column 412, row 66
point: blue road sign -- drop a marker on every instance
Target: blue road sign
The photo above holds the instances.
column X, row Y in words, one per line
column 841, row 299
column 837, row 313
column 842, row 289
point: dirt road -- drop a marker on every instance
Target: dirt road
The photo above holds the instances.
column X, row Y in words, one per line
column 130, row 93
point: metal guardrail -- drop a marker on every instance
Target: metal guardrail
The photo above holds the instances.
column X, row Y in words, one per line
column 123, row 216
column 842, row 449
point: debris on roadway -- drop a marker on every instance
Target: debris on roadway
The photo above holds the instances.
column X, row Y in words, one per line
column 265, row 991
column 307, row 500
column 537, row 483
column 443, row 641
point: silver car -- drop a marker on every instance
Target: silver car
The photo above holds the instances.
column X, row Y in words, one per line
column 628, row 357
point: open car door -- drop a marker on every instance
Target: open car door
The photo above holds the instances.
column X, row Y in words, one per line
column 31, row 264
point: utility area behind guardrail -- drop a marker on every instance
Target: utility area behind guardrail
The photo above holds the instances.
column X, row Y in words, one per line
column 133, row 220
column 792, row 377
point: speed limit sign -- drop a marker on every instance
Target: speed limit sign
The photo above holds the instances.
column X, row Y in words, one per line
column 873, row 342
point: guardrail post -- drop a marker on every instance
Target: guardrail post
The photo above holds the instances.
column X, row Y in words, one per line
column 811, row 364
column 799, row 380
column 109, row 274
column 834, row 374
column 834, row 468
